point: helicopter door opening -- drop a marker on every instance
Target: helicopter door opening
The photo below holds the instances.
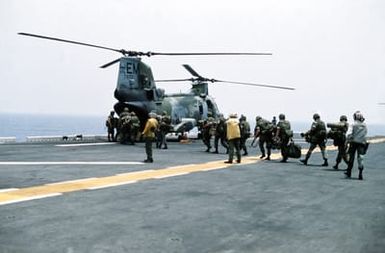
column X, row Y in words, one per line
column 200, row 109
column 210, row 109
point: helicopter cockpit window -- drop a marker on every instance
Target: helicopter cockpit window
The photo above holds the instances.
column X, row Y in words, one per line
column 145, row 81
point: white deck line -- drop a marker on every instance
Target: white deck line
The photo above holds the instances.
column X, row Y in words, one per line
column 70, row 163
column 111, row 185
column 172, row 175
column 30, row 198
column 86, row 144
column 9, row 190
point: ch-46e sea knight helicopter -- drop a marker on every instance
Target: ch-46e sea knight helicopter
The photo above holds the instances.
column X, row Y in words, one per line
column 136, row 89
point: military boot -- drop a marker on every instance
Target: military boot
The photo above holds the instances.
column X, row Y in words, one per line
column 304, row 161
column 348, row 173
column 335, row 166
column 238, row 158
column 360, row 173
column 325, row 164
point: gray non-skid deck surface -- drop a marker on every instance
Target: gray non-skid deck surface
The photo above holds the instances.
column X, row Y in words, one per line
column 261, row 207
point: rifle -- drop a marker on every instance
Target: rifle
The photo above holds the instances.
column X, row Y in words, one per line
column 252, row 143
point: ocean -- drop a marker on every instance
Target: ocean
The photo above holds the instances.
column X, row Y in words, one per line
column 23, row 125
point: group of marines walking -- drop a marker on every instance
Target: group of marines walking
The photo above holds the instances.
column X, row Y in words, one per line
column 233, row 133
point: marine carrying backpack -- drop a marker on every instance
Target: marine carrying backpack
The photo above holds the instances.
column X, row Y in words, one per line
column 292, row 150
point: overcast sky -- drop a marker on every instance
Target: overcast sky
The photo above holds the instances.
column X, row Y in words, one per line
column 331, row 51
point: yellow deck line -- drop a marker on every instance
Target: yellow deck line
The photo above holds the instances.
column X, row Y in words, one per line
column 56, row 189
column 53, row 189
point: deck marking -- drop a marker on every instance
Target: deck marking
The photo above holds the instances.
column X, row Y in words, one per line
column 9, row 190
column 71, row 181
column 172, row 175
column 10, row 196
column 22, row 199
column 70, row 163
column 378, row 140
column 134, row 173
column 111, row 185
column 86, row 144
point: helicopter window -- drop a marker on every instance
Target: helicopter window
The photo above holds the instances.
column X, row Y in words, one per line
column 145, row 81
column 201, row 109
column 150, row 94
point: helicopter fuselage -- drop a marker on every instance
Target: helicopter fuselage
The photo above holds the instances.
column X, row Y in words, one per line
column 188, row 105
column 136, row 90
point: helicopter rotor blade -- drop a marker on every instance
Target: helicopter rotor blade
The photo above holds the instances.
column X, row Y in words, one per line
column 254, row 84
column 69, row 41
column 191, row 70
column 132, row 53
column 110, row 63
column 197, row 54
column 176, row 80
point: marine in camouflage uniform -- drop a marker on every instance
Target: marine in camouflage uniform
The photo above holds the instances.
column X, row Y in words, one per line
column 111, row 124
column 220, row 134
column 206, row 133
column 263, row 130
column 134, row 128
column 357, row 144
column 158, row 136
column 124, row 126
column 284, row 133
column 164, row 128
column 245, row 133
column 316, row 136
column 338, row 134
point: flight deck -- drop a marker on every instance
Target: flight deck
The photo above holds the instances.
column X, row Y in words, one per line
column 101, row 197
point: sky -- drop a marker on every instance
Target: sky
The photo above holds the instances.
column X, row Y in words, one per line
column 331, row 51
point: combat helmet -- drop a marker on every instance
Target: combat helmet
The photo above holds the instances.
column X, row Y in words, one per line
column 258, row 118
column 343, row 118
column 282, row 116
column 358, row 116
column 316, row 116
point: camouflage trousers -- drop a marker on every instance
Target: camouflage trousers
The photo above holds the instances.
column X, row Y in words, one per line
column 234, row 144
column 148, row 144
column 360, row 150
